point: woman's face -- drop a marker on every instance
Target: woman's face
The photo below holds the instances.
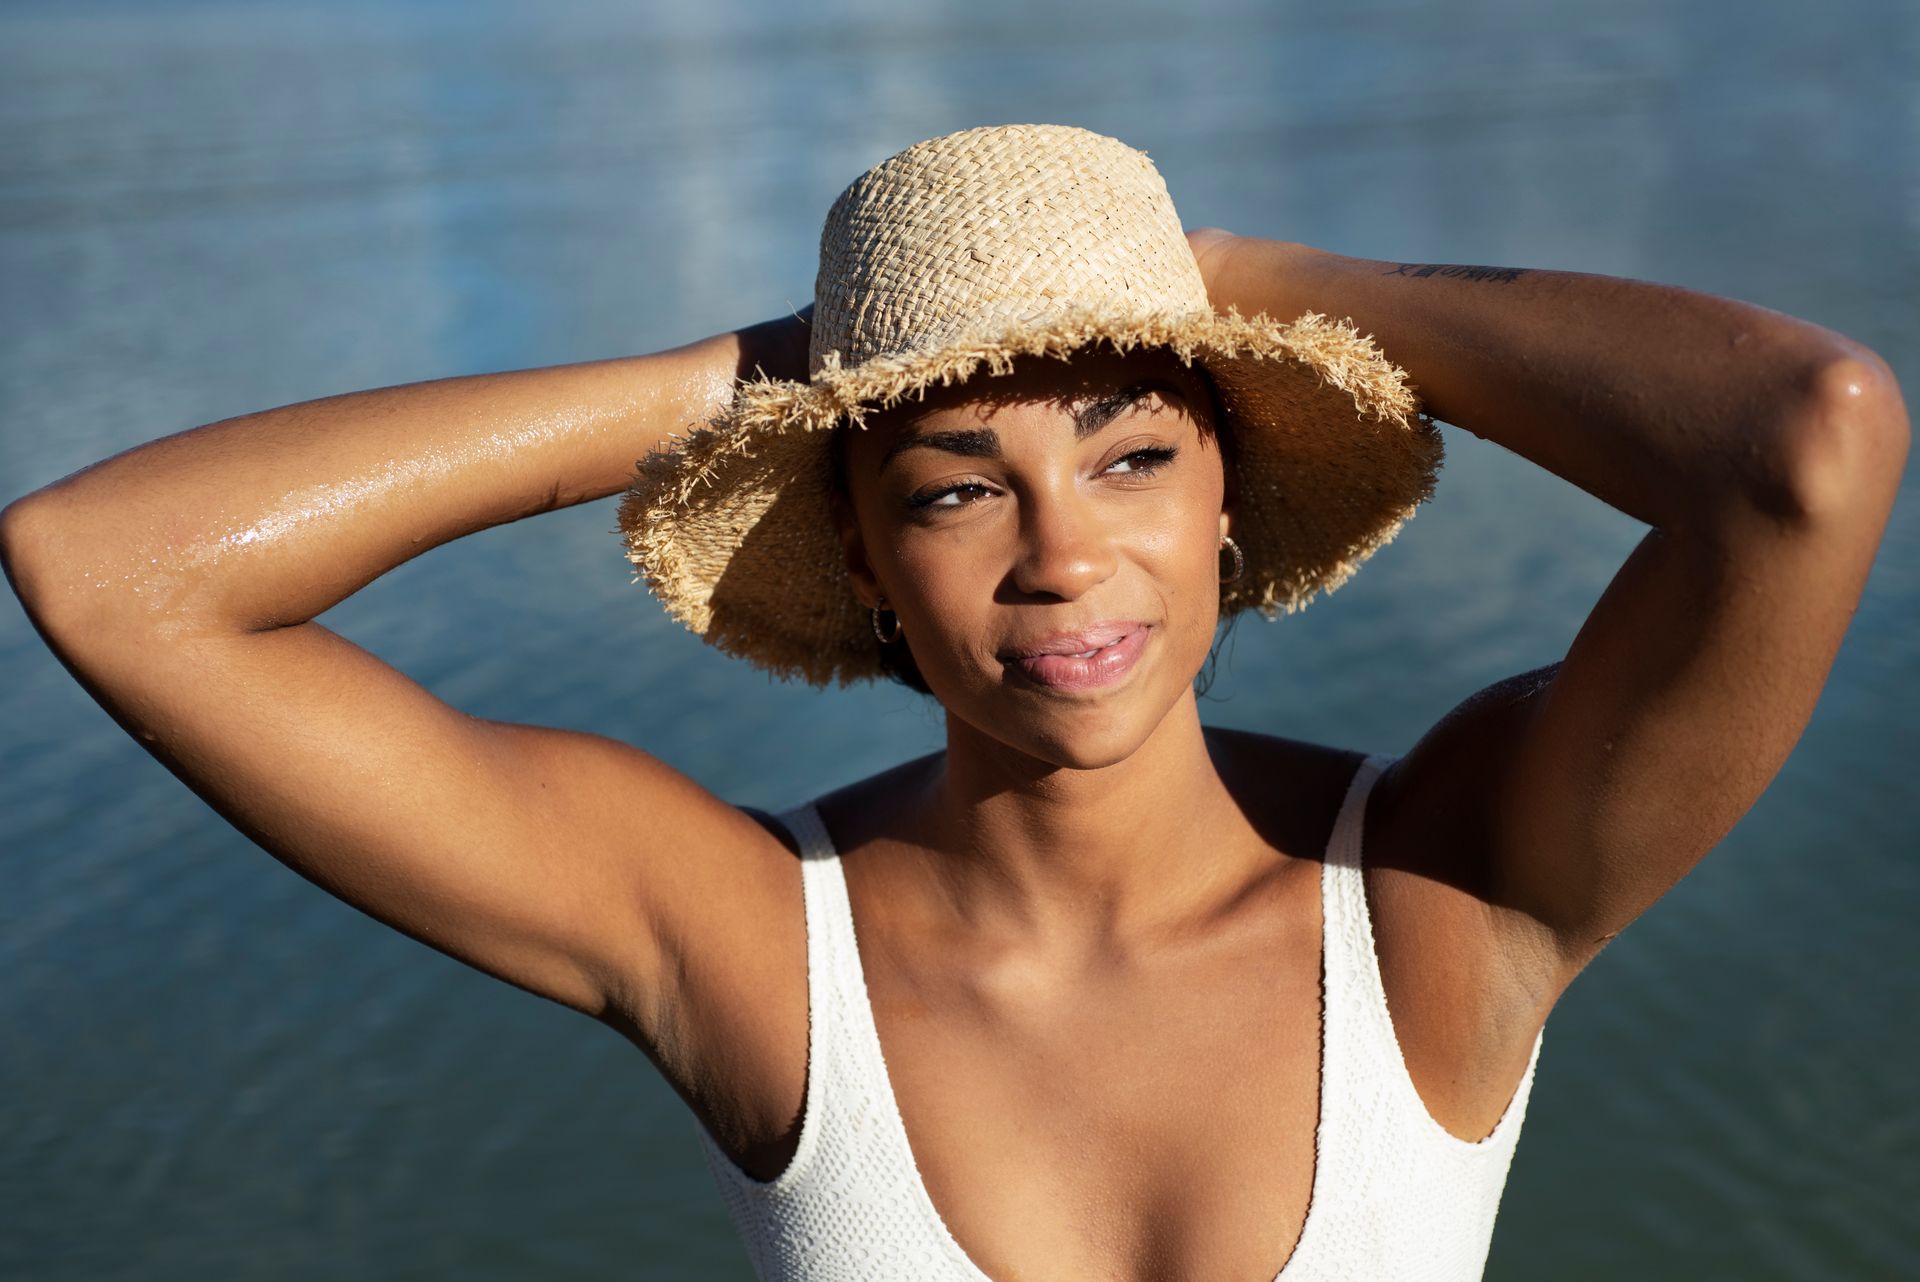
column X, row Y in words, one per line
column 1068, row 506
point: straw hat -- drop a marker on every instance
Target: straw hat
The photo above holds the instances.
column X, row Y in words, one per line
column 965, row 252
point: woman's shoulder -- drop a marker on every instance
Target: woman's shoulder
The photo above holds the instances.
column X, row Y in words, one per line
column 857, row 806
column 1290, row 789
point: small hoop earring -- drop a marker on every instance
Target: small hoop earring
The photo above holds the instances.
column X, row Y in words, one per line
column 1239, row 561
column 883, row 637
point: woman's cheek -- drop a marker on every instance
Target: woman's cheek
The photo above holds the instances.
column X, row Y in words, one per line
column 951, row 582
column 1178, row 552
column 1192, row 576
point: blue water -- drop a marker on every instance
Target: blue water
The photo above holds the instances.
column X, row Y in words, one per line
column 209, row 1068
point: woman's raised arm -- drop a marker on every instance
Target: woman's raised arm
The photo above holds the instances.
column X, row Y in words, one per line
column 269, row 519
column 1765, row 452
column 178, row 582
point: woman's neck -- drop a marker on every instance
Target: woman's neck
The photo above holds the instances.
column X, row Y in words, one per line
column 1085, row 856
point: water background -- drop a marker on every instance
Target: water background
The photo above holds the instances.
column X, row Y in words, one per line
column 210, row 1069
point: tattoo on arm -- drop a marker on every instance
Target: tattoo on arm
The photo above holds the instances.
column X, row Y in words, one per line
column 1499, row 275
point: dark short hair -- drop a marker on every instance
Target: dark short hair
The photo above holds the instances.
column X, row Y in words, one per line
column 896, row 657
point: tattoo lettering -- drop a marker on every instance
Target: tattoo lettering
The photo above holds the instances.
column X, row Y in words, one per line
column 1499, row 275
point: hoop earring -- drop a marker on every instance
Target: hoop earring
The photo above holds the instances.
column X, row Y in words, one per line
column 1239, row 561
column 875, row 618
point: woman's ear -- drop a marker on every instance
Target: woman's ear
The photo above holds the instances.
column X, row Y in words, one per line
column 854, row 549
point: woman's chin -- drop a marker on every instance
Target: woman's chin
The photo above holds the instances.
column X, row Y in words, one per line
column 1082, row 734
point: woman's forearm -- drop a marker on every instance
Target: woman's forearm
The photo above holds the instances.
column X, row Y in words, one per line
column 1674, row 406
column 270, row 518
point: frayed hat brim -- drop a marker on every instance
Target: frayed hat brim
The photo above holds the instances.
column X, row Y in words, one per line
column 731, row 526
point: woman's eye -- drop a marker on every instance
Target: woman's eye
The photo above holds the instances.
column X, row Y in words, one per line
column 951, row 496
column 1143, row 461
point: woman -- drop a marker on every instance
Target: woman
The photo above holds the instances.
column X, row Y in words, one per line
column 1142, row 1013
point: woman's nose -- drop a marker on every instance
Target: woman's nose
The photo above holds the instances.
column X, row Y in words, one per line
column 1065, row 548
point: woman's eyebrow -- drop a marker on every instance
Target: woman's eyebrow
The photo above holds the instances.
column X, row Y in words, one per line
column 985, row 443
column 972, row 442
column 1095, row 415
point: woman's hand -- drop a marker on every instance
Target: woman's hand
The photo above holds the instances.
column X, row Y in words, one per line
column 778, row 347
column 1224, row 261
column 1207, row 244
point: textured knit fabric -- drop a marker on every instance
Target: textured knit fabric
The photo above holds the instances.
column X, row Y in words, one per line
column 1395, row 1196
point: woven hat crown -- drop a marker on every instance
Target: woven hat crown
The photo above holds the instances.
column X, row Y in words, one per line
column 988, row 230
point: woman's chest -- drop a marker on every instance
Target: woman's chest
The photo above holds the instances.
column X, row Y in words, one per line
column 1151, row 1119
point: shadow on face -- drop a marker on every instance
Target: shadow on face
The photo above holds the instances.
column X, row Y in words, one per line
column 1082, row 496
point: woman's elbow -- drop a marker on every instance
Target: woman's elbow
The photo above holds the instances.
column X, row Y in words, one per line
column 1844, row 444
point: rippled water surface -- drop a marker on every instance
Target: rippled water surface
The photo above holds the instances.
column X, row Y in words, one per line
column 211, row 1069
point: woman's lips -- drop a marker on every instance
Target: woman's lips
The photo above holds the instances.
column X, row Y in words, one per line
column 1110, row 660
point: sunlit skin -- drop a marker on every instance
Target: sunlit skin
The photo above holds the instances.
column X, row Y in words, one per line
column 980, row 546
column 1091, row 931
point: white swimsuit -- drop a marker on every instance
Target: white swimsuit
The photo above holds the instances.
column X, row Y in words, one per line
column 1395, row 1195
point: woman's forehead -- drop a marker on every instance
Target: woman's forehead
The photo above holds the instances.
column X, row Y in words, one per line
column 1057, row 384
